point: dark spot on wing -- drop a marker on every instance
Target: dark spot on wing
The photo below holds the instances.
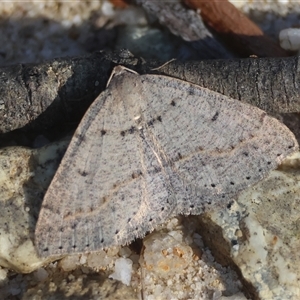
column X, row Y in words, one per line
column 102, row 240
column 82, row 173
column 246, row 153
column 46, row 249
column 231, row 182
column 153, row 120
column 117, row 231
column 131, row 130
column 248, row 177
column 173, row 103
column 213, row 185
column 150, row 123
column 103, row 132
column 136, row 174
column 215, row 117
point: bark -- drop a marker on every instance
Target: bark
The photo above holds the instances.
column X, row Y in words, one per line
column 272, row 84
column 52, row 93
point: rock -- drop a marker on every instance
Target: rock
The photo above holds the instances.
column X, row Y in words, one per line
column 290, row 39
column 123, row 270
column 175, row 265
column 259, row 234
column 24, row 177
column 78, row 285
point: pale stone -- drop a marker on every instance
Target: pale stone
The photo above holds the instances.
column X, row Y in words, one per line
column 173, row 267
column 70, row 262
column 3, row 274
column 123, row 270
column 165, row 255
column 267, row 252
column 24, row 176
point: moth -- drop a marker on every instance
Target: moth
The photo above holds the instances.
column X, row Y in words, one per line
column 151, row 147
